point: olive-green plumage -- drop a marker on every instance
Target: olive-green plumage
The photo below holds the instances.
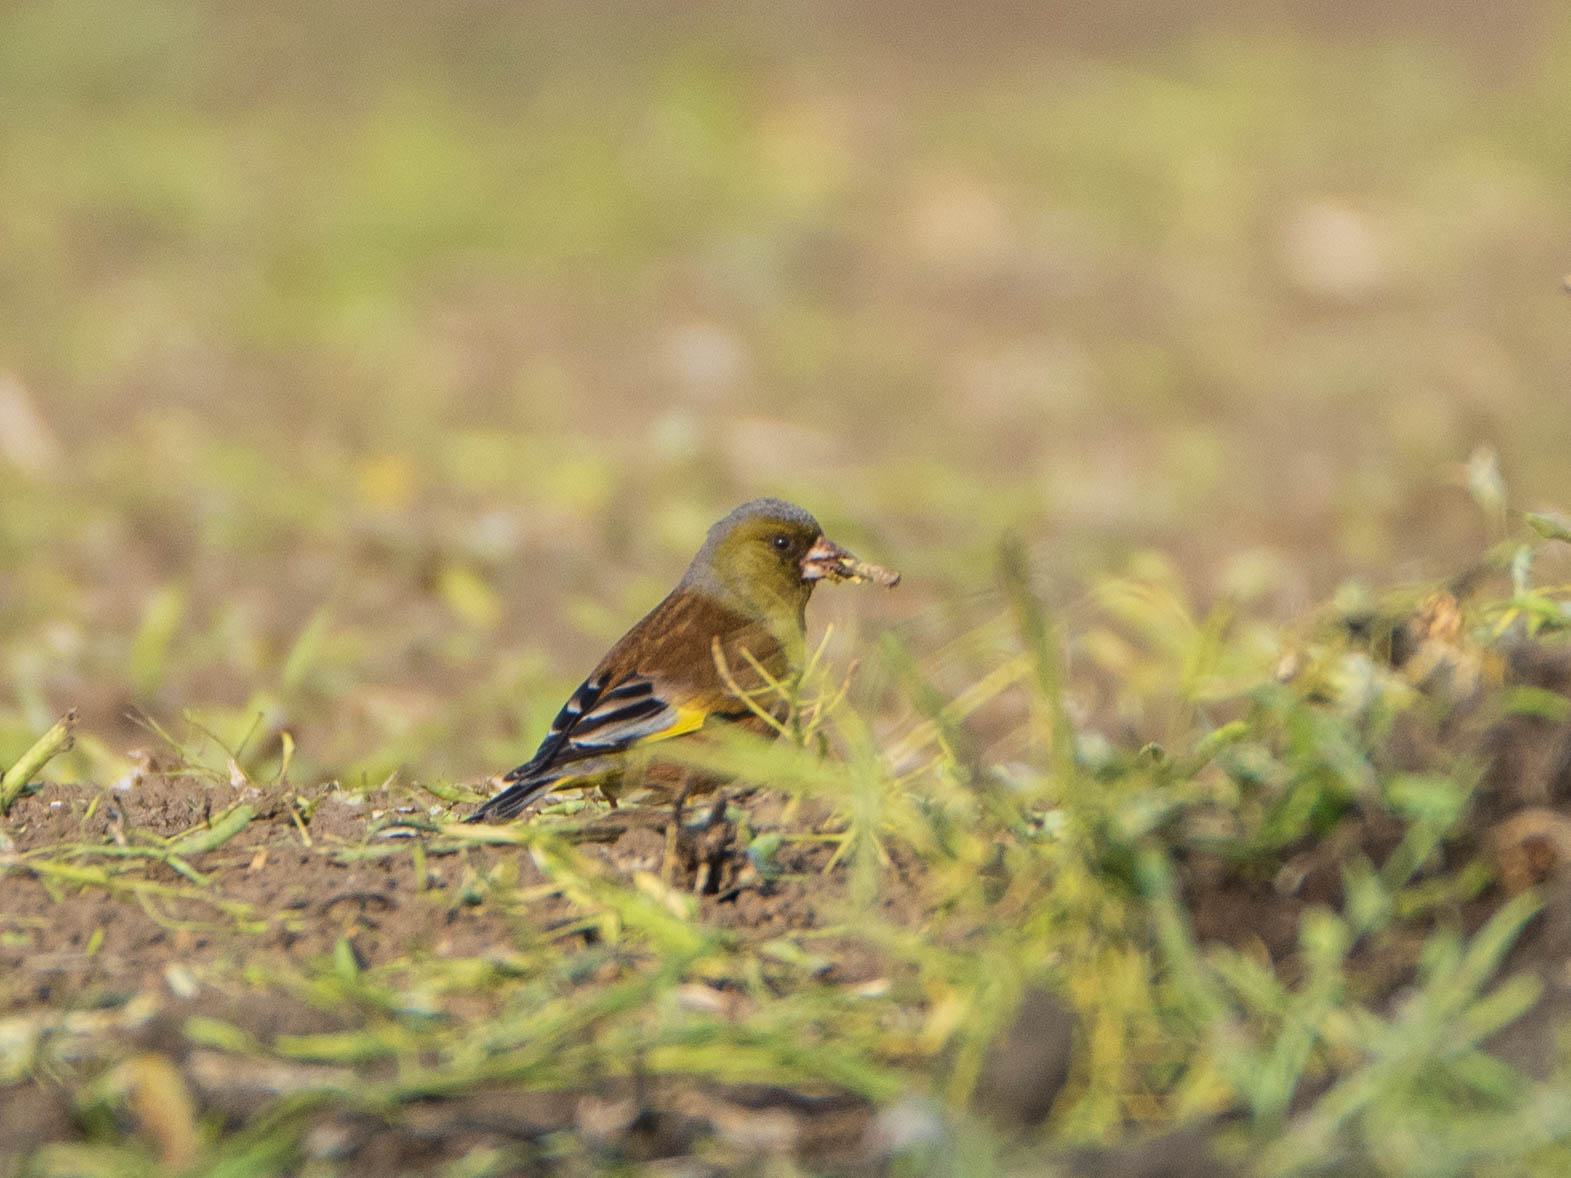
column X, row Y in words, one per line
column 733, row 623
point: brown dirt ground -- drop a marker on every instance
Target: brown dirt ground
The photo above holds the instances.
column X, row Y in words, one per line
column 91, row 949
column 309, row 885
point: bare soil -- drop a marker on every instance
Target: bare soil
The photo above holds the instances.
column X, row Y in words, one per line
column 299, row 889
column 309, row 875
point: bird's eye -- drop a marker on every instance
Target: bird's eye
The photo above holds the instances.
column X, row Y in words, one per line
column 781, row 543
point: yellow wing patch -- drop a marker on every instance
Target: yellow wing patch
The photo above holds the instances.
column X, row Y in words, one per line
column 689, row 718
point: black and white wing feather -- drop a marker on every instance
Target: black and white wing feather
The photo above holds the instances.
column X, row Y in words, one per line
column 598, row 721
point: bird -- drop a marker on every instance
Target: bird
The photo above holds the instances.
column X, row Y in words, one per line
column 717, row 650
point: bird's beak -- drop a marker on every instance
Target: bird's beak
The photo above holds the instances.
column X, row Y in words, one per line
column 827, row 561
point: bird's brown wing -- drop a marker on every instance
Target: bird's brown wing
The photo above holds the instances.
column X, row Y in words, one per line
column 679, row 668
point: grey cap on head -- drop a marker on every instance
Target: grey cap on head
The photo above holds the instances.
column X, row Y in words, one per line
column 765, row 509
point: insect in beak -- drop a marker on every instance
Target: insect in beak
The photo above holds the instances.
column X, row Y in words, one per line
column 827, row 561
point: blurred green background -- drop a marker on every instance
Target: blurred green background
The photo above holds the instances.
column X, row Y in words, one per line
column 364, row 368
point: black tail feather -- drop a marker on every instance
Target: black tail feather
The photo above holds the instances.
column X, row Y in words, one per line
column 513, row 800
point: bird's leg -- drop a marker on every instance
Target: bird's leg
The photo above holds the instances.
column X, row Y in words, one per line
column 673, row 830
column 709, row 848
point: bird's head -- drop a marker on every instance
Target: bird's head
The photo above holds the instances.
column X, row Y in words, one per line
column 767, row 555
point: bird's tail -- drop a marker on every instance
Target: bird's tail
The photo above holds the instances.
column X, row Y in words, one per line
column 515, row 799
